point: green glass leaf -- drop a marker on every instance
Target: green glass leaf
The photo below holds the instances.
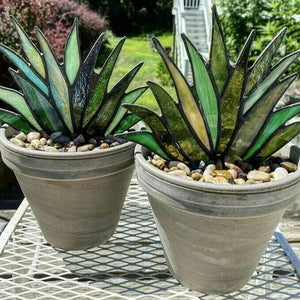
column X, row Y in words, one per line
column 176, row 123
column 158, row 128
column 279, row 139
column 279, row 118
column 127, row 122
column 102, row 83
column 146, row 139
column 30, row 50
column 230, row 104
column 47, row 116
column 17, row 101
column 275, row 73
column 129, row 98
column 20, row 63
column 72, row 58
column 263, row 62
column 14, row 120
column 256, row 117
column 218, row 54
column 204, row 89
column 111, row 103
column 57, row 82
column 185, row 97
column 82, row 86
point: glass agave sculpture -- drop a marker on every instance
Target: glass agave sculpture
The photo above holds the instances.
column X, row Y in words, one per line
column 70, row 97
column 229, row 110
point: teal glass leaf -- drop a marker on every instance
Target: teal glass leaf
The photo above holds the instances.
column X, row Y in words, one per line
column 256, row 117
column 129, row 98
column 230, row 104
column 72, row 59
column 204, row 89
column 219, row 62
column 48, row 118
column 146, row 139
column 263, row 62
column 127, row 122
column 83, row 83
column 102, row 83
column 274, row 74
column 32, row 53
column 58, row 86
column 20, row 63
column 186, row 99
column 14, row 120
column 178, row 127
column 279, row 118
column 17, row 101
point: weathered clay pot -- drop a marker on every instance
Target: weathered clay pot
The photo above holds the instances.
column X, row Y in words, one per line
column 214, row 235
column 76, row 198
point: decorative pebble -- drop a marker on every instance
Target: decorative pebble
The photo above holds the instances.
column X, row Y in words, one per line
column 49, row 142
column 239, row 181
column 93, row 141
column 35, row 143
column 258, row 176
column 179, row 173
column 280, row 173
column 51, row 149
column 18, row 142
column 250, row 181
column 289, row 166
column 220, row 180
column 196, row 176
column 33, row 136
column 233, row 173
column 266, row 169
column 209, row 169
column 173, row 168
column 104, row 146
column 173, row 163
column 79, row 140
column 21, row 136
column 233, row 167
column 72, row 149
column 208, row 178
column 222, row 173
column 43, row 141
column 184, row 167
column 85, row 148
column 114, row 144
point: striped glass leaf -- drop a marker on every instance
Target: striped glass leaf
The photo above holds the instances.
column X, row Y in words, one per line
column 178, row 127
column 204, row 89
column 17, row 101
column 57, row 82
column 14, row 120
column 185, row 97
column 127, row 122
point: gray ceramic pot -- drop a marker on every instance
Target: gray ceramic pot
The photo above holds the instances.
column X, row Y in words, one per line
column 76, row 198
column 214, row 235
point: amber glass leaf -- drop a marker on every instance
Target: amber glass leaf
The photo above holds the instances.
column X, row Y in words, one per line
column 185, row 97
column 32, row 53
column 279, row 118
column 178, row 127
column 83, row 82
column 128, row 121
column 256, row 117
column 275, row 73
column 230, row 104
column 263, row 62
column 218, row 54
column 102, row 83
column 57, row 82
column 280, row 138
column 14, row 120
column 17, row 101
column 204, row 89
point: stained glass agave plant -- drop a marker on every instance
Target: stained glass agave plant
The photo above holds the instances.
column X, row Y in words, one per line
column 70, row 97
column 229, row 110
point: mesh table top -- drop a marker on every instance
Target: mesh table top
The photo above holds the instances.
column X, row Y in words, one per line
column 130, row 265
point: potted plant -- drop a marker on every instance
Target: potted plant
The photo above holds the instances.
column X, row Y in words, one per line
column 67, row 117
column 214, row 226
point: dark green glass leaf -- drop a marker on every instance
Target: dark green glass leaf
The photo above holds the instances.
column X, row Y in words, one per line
column 127, row 122
column 275, row 73
column 14, row 120
column 256, row 117
column 47, row 116
column 82, row 86
column 185, row 97
column 129, row 98
column 102, row 83
column 146, row 139
column 20, row 63
column 32, row 53
column 158, row 128
column 178, row 127
column 263, row 62
column 57, row 82
column 72, row 58
column 17, row 101
column 204, row 89
column 218, row 54
column 111, row 103
column 279, row 118
column 279, row 139
column 230, row 104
